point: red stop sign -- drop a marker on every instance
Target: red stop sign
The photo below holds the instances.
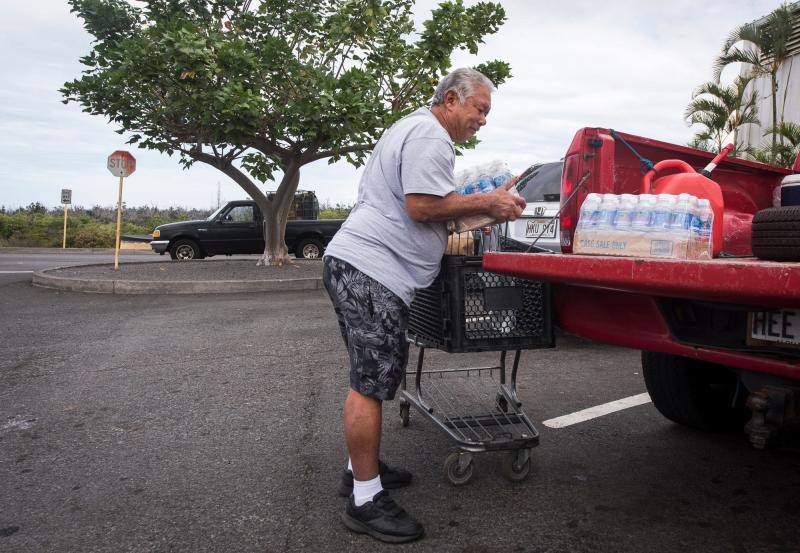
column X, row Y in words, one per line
column 121, row 163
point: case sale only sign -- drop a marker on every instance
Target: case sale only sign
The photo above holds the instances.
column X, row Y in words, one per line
column 121, row 164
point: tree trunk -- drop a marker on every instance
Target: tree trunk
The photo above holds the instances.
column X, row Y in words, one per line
column 786, row 90
column 774, row 109
column 276, row 212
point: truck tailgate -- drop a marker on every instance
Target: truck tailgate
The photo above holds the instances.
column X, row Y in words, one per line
column 743, row 281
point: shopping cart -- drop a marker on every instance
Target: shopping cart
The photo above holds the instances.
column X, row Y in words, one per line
column 467, row 309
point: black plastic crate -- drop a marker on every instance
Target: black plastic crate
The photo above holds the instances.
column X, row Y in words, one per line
column 468, row 309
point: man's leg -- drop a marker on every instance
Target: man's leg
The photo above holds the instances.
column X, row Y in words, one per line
column 373, row 323
column 362, row 429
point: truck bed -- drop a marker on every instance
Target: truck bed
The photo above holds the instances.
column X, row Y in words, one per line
column 746, row 280
column 695, row 309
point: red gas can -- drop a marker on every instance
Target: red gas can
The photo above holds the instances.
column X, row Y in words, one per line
column 688, row 181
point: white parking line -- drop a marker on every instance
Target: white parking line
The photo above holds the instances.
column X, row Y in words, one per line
column 597, row 411
column 13, row 272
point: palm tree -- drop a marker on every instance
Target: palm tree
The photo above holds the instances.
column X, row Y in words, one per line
column 765, row 50
column 701, row 141
column 783, row 153
column 722, row 111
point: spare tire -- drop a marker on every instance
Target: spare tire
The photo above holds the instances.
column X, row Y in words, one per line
column 776, row 233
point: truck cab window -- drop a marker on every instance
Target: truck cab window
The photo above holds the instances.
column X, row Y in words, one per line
column 239, row 214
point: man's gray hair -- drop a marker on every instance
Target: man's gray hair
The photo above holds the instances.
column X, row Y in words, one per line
column 462, row 81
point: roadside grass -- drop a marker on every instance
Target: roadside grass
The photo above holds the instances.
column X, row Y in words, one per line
column 36, row 226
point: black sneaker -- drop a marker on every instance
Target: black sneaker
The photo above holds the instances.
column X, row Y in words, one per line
column 391, row 479
column 383, row 519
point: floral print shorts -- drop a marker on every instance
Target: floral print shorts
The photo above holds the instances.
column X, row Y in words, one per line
column 373, row 321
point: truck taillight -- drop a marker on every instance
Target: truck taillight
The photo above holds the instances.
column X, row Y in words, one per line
column 569, row 178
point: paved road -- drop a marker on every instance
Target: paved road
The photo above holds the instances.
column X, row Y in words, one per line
column 212, row 423
column 17, row 265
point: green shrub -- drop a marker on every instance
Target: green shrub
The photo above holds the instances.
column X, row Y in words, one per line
column 338, row 211
column 93, row 236
column 31, row 229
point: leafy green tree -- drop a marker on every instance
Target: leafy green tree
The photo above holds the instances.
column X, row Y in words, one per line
column 721, row 111
column 764, row 49
column 702, row 141
column 254, row 92
column 785, row 150
column 36, row 207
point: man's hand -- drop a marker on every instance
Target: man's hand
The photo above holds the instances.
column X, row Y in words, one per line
column 503, row 205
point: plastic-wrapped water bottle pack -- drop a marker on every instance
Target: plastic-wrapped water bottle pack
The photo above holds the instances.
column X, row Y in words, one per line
column 647, row 225
column 483, row 178
column 479, row 179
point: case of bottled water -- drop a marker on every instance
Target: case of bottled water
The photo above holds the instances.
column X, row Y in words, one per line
column 645, row 225
column 483, row 178
column 479, row 179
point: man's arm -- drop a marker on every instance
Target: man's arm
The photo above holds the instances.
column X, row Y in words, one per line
column 499, row 204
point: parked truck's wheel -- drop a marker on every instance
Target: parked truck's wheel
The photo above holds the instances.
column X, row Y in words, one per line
column 776, row 233
column 185, row 250
column 309, row 248
column 694, row 393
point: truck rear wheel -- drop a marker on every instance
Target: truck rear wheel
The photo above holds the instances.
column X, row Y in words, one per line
column 309, row 248
column 694, row 393
column 776, row 233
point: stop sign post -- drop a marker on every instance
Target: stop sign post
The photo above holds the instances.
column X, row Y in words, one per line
column 121, row 164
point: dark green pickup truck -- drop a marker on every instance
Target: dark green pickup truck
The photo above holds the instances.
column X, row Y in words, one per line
column 237, row 228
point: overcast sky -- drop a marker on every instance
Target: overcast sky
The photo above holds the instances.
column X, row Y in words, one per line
column 627, row 65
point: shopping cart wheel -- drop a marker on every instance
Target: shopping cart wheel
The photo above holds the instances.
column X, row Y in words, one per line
column 458, row 468
column 517, row 465
column 404, row 412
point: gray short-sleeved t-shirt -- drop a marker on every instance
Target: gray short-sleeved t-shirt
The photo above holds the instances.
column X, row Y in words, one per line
column 414, row 156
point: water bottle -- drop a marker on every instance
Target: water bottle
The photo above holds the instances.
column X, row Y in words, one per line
column 705, row 216
column 640, row 220
column 485, row 184
column 679, row 220
column 500, row 174
column 468, row 188
column 483, row 178
column 607, row 212
column 659, row 222
column 625, row 212
column 589, row 206
column 594, row 218
column 679, row 225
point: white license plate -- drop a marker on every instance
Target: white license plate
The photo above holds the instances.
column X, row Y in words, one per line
column 536, row 226
column 779, row 327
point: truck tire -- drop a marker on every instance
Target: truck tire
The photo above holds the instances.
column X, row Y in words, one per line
column 309, row 248
column 185, row 250
column 694, row 393
column 776, row 234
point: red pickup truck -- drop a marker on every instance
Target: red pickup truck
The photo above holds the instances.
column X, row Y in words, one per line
column 699, row 322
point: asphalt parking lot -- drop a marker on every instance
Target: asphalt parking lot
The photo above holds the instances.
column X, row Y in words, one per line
column 212, row 423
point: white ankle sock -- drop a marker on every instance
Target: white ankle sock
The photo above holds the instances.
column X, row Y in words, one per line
column 366, row 490
column 349, row 464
